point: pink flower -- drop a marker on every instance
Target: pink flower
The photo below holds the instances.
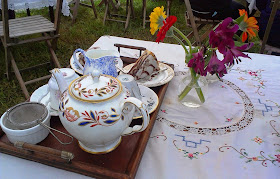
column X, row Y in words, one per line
column 222, row 37
column 278, row 158
column 197, row 62
column 235, row 52
column 216, row 66
column 190, row 155
column 255, row 158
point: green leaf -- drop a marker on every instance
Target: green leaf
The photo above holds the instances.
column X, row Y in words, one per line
column 237, row 38
column 239, row 19
column 188, row 57
column 248, row 161
column 241, row 156
column 242, row 26
column 169, row 33
column 238, row 44
column 271, row 157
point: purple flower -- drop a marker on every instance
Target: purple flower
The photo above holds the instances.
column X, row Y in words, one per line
column 234, row 53
column 216, row 66
column 197, row 62
column 222, row 37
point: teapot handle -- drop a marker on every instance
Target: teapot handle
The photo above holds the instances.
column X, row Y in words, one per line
column 75, row 58
column 146, row 118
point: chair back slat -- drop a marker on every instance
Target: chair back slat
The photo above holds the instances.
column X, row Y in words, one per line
column 192, row 21
column 269, row 24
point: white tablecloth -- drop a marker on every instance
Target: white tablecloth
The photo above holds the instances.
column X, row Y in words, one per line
column 36, row 4
column 244, row 140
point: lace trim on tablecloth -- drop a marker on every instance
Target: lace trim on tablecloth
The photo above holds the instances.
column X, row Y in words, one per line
column 245, row 120
column 37, row 5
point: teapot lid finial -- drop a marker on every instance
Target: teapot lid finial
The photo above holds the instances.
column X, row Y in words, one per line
column 95, row 75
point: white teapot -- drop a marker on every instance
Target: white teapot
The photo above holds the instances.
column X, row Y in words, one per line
column 97, row 110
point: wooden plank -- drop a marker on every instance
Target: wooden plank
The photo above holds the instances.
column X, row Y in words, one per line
column 53, row 55
column 28, row 25
column 116, row 20
column 27, row 19
column 37, row 79
column 31, row 22
column 32, row 40
column 93, row 8
column 31, row 32
column 19, row 77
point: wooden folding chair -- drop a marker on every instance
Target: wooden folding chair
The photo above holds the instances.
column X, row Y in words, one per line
column 75, row 8
column 197, row 24
column 118, row 17
column 275, row 5
column 11, row 31
column 144, row 11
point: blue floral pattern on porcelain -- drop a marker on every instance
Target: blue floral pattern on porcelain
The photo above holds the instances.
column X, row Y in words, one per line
column 106, row 64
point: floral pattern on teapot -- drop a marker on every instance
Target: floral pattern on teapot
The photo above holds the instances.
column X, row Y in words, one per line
column 111, row 86
column 90, row 117
column 94, row 118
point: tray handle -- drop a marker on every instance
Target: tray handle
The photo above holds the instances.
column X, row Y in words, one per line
column 37, row 148
column 129, row 59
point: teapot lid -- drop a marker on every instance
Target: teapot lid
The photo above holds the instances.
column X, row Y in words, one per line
column 95, row 88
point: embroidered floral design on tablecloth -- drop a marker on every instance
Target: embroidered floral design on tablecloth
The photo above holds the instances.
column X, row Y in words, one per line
column 255, row 76
column 228, row 119
column 277, row 105
column 188, row 143
column 180, row 73
column 160, row 136
column 164, row 111
column 274, row 158
column 257, row 140
column 245, row 120
column 273, row 127
column 190, row 155
column 266, row 106
column 223, row 86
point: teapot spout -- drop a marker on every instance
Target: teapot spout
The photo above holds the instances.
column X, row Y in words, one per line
column 60, row 80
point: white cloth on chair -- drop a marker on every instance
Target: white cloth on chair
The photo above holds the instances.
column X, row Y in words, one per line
column 36, row 4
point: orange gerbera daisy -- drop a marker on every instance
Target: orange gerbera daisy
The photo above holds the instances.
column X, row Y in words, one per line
column 248, row 25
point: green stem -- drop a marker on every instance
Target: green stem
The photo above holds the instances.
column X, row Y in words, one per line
column 185, row 38
column 181, row 43
column 190, row 86
column 237, row 37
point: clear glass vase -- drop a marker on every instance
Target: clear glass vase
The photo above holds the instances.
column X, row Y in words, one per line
column 193, row 92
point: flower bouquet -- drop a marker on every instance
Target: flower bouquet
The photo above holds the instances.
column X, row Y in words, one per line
column 202, row 60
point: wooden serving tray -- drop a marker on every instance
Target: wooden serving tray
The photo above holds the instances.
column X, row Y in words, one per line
column 121, row 163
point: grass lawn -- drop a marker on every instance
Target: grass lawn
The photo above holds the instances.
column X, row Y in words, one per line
column 82, row 34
